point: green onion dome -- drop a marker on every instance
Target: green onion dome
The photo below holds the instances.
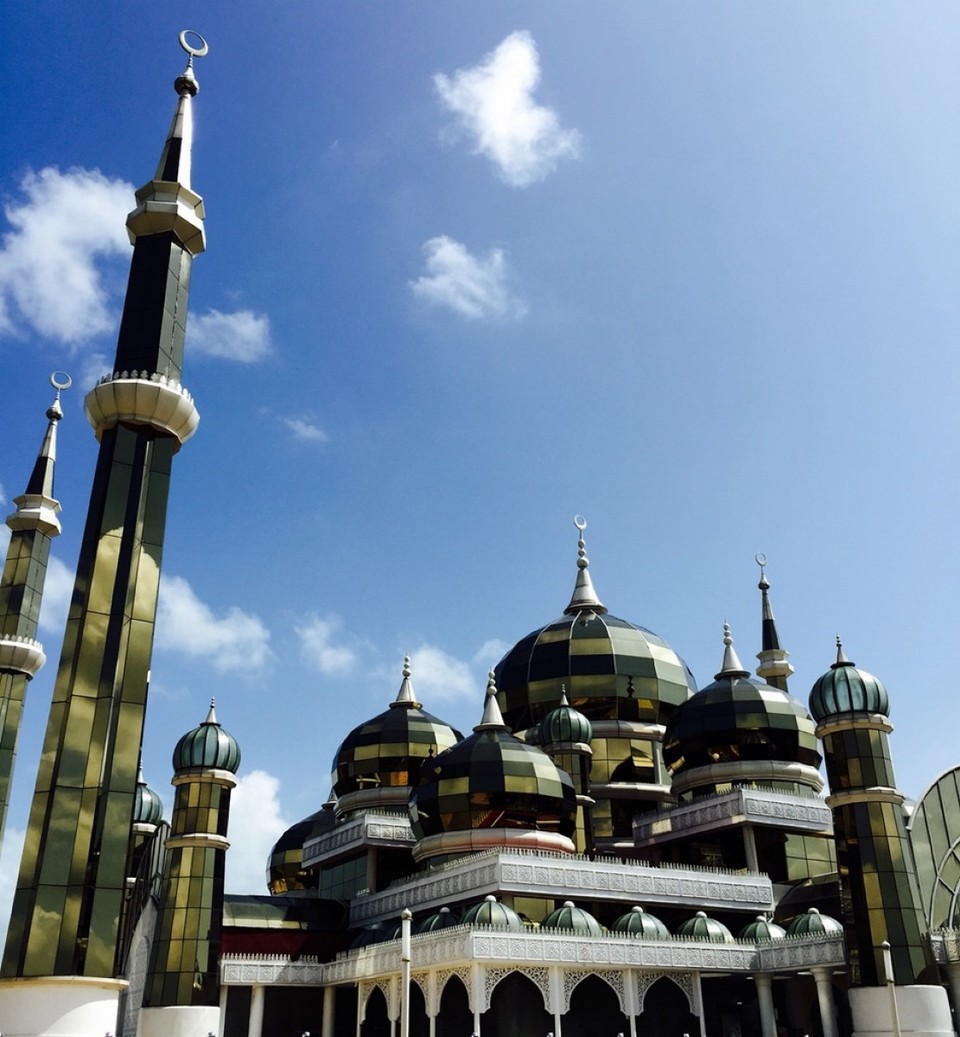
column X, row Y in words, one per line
column 493, row 780
column 640, row 923
column 611, row 669
column 700, row 927
column 387, row 752
column 740, row 729
column 491, row 912
column 761, row 928
column 442, row 919
column 845, row 689
column 285, row 872
column 207, row 746
column 368, row 937
column 565, row 725
column 569, row 916
column 813, row 923
column 147, row 805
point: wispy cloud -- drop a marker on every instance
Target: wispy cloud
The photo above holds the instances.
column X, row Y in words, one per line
column 256, row 823
column 57, row 591
column 494, row 105
column 51, row 276
column 438, row 676
column 325, row 646
column 306, row 431
column 243, row 335
column 235, row 640
column 473, row 286
column 9, row 870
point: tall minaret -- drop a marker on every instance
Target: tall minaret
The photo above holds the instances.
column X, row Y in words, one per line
column 774, row 667
column 73, row 871
column 33, row 525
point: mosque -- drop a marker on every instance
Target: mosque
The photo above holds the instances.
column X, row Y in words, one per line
column 610, row 851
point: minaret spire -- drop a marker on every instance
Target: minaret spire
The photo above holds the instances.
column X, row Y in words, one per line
column 584, row 597
column 774, row 667
column 72, row 874
column 33, row 525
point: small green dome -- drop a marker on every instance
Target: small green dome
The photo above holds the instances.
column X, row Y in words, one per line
column 813, row 923
column 761, row 928
column 845, row 689
column 369, row 936
column 569, row 916
column 637, row 922
column 565, row 724
column 207, row 746
column 147, row 805
column 491, row 912
column 700, row 927
column 441, row 919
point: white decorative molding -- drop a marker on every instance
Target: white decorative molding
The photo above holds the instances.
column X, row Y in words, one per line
column 142, row 398
column 35, row 511
column 163, row 205
column 565, row 877
column 20, row 654
column 386, row 829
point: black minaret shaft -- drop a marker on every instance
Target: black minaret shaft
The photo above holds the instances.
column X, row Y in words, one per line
column 70, row 889
column 33, row 525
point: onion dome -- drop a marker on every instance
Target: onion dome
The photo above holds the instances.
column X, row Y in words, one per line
column 380, row 760
column 494, row 788
column 845, row 689
column 368, row 937
column 813, row 923
column 761, row 928
column 442, row 919
column 640, row 923
column 565, row 725
column 207, row 746
column 569, row 916
column 612, row 669
column 285, row 872
column 700, row 927
column 147, row 805
column 491, row 912
column 740, row 729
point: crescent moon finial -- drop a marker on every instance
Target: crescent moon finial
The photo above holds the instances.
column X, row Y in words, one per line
column 193, row 43
column 61, row 381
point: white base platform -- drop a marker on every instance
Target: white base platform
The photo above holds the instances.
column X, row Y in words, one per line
column 922, row 1012
column 180, row 1021
column 59, row 1006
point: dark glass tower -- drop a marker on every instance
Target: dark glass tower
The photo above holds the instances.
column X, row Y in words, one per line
column 70, row 889
column 878, row 880
column 33, row 525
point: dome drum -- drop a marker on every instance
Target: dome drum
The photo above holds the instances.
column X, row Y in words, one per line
column 747, row 772
column 459, row 844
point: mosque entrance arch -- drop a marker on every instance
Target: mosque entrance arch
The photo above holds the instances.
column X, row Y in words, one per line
column 666, row 1012
column 516, row 1009
column 594, row 1010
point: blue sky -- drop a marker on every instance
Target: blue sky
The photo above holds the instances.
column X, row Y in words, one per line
column 689, row 269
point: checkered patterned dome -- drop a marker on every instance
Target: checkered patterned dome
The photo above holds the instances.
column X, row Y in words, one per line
column 845, row 689
column 285, row 866
column 611, row 669
column 738, row 718
column 492, row 780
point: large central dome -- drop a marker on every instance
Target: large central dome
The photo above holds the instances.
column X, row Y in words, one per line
column 611, row 669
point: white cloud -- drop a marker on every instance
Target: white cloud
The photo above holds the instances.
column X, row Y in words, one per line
column 3, row 498
column 234, row 641
column 438, row 676
column 494, row 104
column 50, row 262
column 242, row 335
column 57, row 591
column 256, row 823
column 93, row 367
column 319, row 645
column 491, row 652
column 473, row 286
column 306, row 431
column 9, row 870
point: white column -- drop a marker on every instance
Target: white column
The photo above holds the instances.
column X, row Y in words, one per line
column 405, row 916
column 224, row 990
column 633, row 1006
column 828, row 1015
column 768, row 1018
column 255, row 1025
column 700, row 1013
column 329, row 1011
column 750, row 848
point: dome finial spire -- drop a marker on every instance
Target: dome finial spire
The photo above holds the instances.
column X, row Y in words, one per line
column 584, row 596
column 842, row 659
column 774, row 667
column 732, row 667
column 405, row 697
column 492, row 719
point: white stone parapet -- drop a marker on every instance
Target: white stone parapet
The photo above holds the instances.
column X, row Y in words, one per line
column 142, row 398
column 35, row 511
column 21, row 654
column 539, row 874
column 371, row 829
